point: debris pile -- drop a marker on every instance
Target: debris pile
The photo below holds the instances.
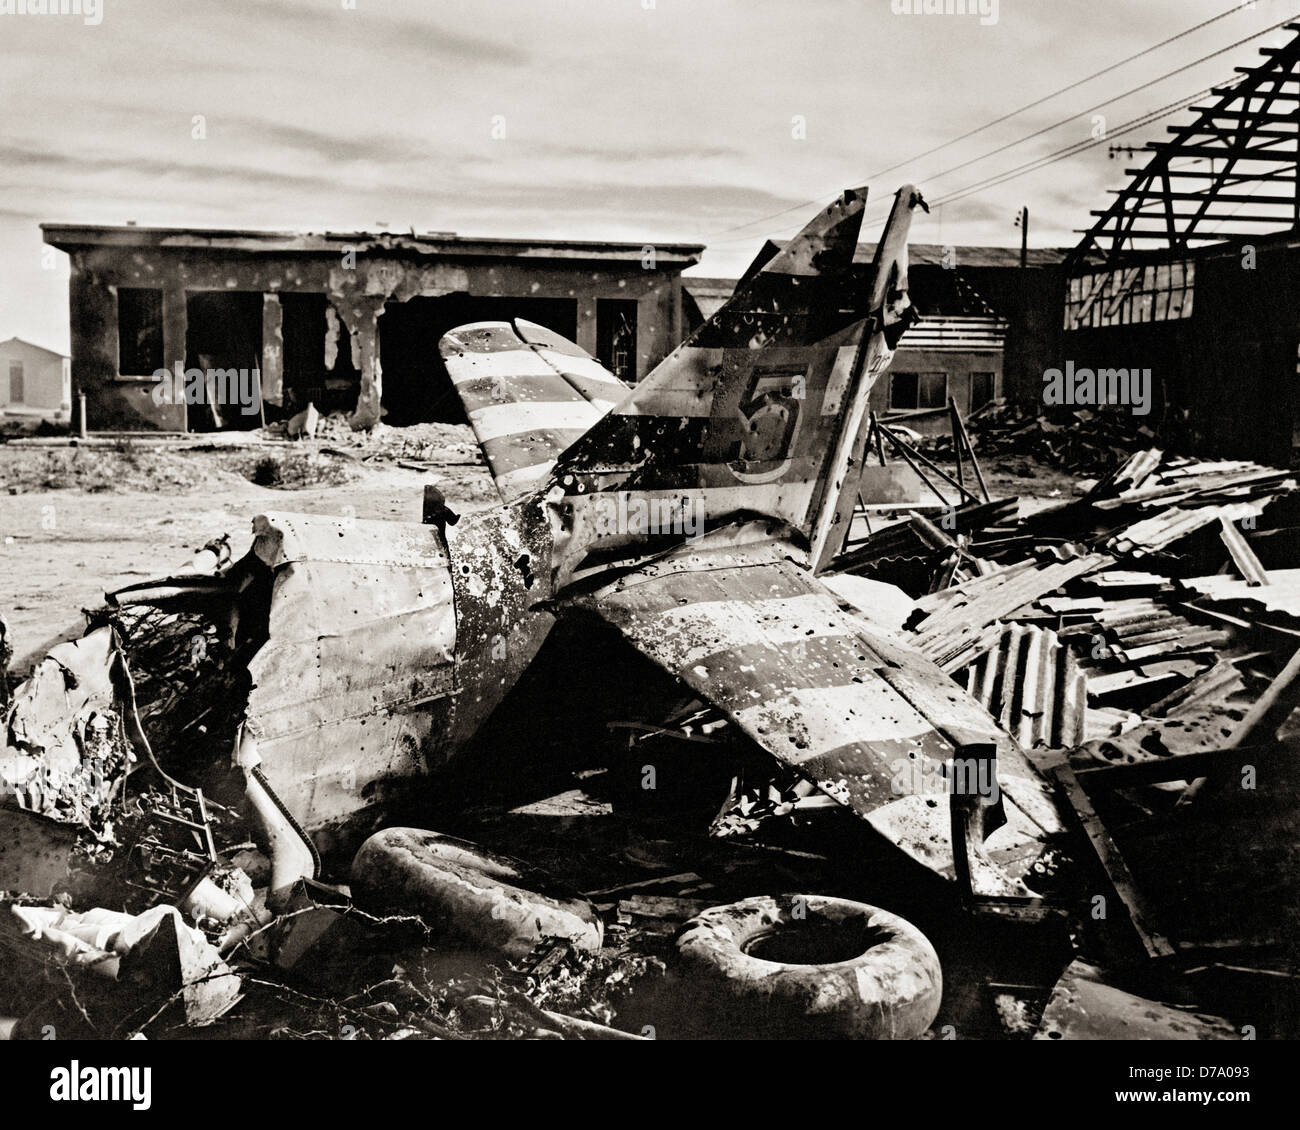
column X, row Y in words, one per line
column 155, row 885
column 443, row 445
column 1141, row 644
column 1083, row 440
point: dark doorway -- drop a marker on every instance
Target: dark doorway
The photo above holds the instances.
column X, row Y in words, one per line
column 223, row 336
column 616, row 336
column 416, row 386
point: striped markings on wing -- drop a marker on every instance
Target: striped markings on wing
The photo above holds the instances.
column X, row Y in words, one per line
column 525, row 403
column 796, row 675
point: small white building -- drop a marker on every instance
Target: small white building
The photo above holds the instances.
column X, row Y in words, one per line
column 34, row 382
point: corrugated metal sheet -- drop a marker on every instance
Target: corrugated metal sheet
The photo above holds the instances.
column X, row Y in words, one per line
column 1281, row 594
column 962, row 620
column 1032, row 684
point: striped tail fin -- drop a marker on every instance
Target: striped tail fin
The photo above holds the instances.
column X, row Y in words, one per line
column 760, row 411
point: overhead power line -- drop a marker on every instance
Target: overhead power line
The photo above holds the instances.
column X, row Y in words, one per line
column 1055, row 125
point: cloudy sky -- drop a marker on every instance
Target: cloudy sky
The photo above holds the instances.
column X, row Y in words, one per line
column 712, row 121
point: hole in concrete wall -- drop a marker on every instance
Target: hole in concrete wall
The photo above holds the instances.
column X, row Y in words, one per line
column 305, row 328
column 223, row 338
column 416, row 387
column 616, row 336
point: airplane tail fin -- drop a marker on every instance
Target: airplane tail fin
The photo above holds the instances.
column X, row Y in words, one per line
column 760, row 411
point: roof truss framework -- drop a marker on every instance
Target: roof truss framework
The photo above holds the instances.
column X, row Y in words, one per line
column 1232, row 171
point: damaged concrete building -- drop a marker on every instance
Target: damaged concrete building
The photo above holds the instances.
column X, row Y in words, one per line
column 1191, row 275
column 347, row 321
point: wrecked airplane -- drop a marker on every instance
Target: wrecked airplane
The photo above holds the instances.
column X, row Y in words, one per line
column 311, row 684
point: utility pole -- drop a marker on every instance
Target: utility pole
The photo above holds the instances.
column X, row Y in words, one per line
column 1022, row 221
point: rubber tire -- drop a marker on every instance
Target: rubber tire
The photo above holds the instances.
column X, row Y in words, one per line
column 464, row 890
column 890, row 992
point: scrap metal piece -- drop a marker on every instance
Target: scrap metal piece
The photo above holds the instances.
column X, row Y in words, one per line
column 1108, row 855
column 1248, row 565
column 65, row 753
column 1086, row 1005
column 351, row 687
column 1032, row 684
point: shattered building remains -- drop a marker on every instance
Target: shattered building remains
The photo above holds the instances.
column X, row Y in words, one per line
column 1193, row 271
column 349, row 322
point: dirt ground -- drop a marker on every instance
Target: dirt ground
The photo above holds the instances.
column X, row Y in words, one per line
column 76, row 522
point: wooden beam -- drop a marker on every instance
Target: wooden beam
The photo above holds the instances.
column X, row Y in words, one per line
column 1260, row 115
column 1180, row 767
column 1262, row 721
column 1227, row 197
column 1281, row 225
column 1112, row 864
column 1233, row 92
column 1246, row 132
column 1256, row 153
column 1269, row 78
column 1237, row 217
column 1267, row 714
column 1262, row 176
column 1227, row 135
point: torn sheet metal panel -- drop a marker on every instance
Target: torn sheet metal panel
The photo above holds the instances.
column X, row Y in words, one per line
column 1181, row 480
column 41, row 857
column 351, row 689
column 1169, row 526
column 65, row 753
column 1281, row 596
column 503, row 572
